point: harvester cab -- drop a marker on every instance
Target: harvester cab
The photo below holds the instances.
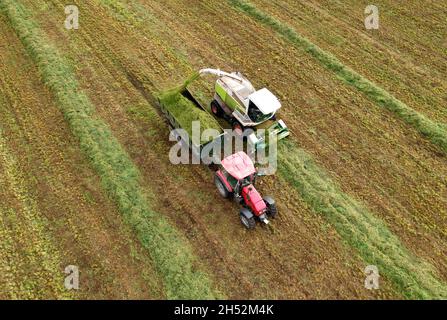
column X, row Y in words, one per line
column 239, row 103
column 236, row 179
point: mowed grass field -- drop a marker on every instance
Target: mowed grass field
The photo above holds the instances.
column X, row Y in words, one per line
column 86, row 179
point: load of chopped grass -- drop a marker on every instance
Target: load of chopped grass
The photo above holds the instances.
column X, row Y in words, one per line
column 186, row 111
column 170, row 93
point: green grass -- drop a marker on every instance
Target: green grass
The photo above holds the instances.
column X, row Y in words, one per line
column 119, row 176
column 435, row 132
column 358, row 227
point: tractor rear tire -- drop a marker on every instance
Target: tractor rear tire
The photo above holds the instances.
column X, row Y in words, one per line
column 221, row 187
column 271, row 206
column 247, row 219
column 216, row 109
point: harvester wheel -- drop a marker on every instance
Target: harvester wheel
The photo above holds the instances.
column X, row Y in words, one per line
column 221, row 188
column 247, row 218
column 216, row 109
column 271, row 206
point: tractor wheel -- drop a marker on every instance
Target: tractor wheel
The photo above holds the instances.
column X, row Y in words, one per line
column 221, row 188
column 273, row 211
column 247, row 218
column 271, row 206
column 238, row 128
column 216, row 109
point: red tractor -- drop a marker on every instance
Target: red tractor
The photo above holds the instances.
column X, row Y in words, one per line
column 235, row 179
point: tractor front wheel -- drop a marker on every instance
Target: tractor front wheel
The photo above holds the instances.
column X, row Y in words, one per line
column 273, row 211
column 247, row 219
column 271, row 207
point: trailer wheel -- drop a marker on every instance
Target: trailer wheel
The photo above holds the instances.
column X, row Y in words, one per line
column 221, row 188
column 216, row 109
column 237, row 127
column 247, row 218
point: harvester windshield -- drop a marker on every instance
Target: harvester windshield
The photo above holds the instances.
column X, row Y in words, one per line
column 256, row 115
column 263, row 105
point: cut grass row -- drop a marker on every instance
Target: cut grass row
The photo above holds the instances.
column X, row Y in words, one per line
column 417, row 30
column 417, row 86
column 119, row 176
column 307, row 192
column 358, row 227
column 435, row 132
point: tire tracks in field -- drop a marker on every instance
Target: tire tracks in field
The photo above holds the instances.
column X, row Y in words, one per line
column 422, row 292
column 133, row 66
column 119, row 176
column 33, row 266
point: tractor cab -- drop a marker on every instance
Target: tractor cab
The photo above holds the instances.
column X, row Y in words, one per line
column 236, row 178
column 239, row 171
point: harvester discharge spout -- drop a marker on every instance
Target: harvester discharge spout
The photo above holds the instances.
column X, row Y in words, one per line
column 219, row 73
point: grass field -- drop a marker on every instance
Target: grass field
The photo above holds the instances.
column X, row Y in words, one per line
column 86, row 178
